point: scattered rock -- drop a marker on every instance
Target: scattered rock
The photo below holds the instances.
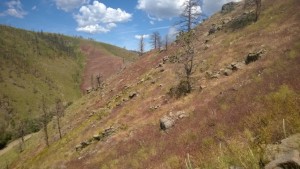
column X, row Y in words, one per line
column 238, row 65
column 289, row 159
column 202, row 87
column 227, row 72
column 226, row 20
column 252, row 57
column 181, row 114
column 226, row 8
column 132, row 95
column 167, row 121
column 97, row 137
column 206, row 47
column 284, row 155
column 162, row 70
column 78, row 147
column 165, row 59
column 159, row 65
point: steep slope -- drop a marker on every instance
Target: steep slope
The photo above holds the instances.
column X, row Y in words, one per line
column 37, row 64
column 230, row 117
column 103, row 60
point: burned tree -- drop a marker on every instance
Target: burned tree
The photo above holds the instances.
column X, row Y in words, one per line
column 141, row 45
column 186, row 52
column 44, row 120
column 59, row 112
column 99, row 81
column 186, row 55
column 156, row 40
column 166, row 42
column 190, row 16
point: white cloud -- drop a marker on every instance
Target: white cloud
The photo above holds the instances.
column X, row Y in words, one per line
column 161, row 9
column 97, row 18
column 211, row 6
column 68, row 5
column 34, row 8
column 14, row 9
column 140, row 36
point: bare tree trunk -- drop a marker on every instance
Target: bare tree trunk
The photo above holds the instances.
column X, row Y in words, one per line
column 59, row 113
column 58, row 126
column 44, row 121
column 166, row 42
column 141, row 45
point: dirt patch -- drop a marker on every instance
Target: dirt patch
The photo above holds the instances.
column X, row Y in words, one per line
column 98, row 62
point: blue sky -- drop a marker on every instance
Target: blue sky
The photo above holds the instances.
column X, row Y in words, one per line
column 118, row 22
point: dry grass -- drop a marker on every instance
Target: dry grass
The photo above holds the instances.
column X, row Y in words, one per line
column 217, row 113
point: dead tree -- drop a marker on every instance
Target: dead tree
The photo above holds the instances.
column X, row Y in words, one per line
column 92, row 82
column 141, row 45
column 190, row 16
column 166, row 42
column 99, row 81
column 21, row 125
column 186, row 53
column 44, row 120
column 59, row 113
column 186, row 56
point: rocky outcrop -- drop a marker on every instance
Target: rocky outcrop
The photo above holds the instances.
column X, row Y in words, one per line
column 284, row 155
column 97, row 137
column 226, row 8
column 169, row 120
column 252, row 57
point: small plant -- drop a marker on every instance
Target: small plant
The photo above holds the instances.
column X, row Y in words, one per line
column 188, row 163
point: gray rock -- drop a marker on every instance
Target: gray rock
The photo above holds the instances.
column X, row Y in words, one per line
column 289, row 159
column 132, row 95
column 212, row 30
column 227, row 72
column 284, row 155
column 226, row 8
column 181, row 114
column 237, row 65
column 97, row 137
column 166, row 122
column 78, row 147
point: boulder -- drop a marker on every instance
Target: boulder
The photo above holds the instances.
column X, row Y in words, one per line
column 237, row 65
column 252, row 57
column 284, row 155
column 166, row 122
column 78, row 147
column 212, row 30
column 97, row 137
column 227, row 72
column 289, row 159
column 226, row 8
column 181, row 114
column 132, row 95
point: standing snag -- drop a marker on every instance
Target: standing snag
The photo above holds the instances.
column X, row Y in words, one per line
column 44, row 120
column 190, row 16
column 59, row 113
column 141, row 45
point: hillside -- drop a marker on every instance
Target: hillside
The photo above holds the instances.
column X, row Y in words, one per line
column 37, row 64
column 238, row 104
